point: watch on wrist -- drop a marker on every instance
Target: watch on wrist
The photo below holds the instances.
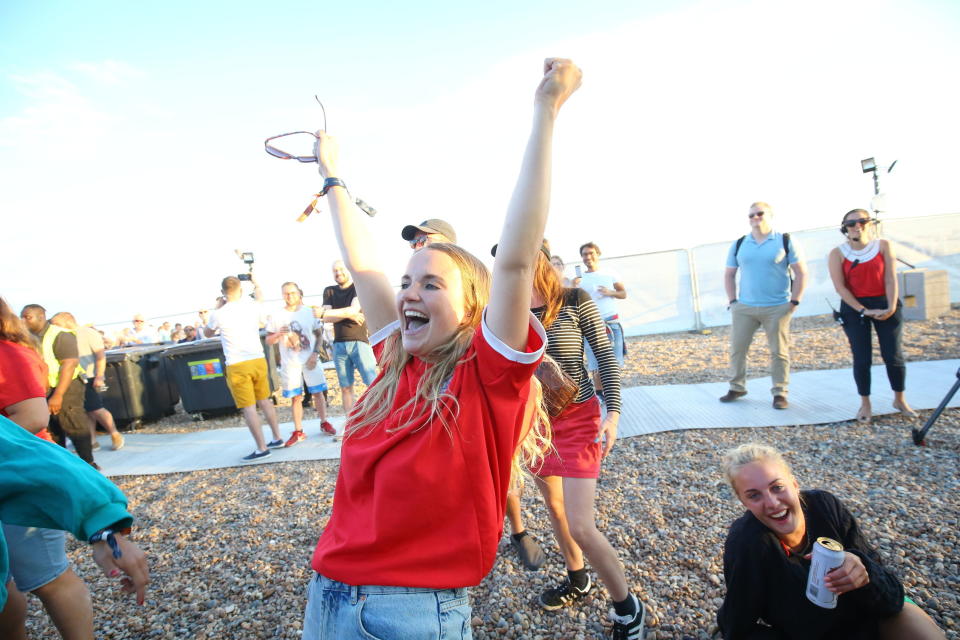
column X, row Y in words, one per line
column 795, row 302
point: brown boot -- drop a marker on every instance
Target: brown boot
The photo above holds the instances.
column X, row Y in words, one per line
column 732, row 395
column 780, row 402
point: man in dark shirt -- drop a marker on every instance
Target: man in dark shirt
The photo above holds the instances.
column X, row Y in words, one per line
column 64, row 385
column 351, row 351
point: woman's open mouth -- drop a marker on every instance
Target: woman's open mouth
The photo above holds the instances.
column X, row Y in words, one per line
column 414, row 321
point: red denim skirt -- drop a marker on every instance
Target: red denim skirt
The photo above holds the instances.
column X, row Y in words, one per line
column 577, row 453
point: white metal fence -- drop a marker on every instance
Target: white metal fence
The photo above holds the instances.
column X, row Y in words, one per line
column 683, row 290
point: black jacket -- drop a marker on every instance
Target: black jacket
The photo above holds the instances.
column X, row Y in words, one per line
column 763, row 582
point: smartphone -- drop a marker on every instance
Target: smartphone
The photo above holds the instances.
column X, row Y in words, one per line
column 243, row 276
column 578, row 271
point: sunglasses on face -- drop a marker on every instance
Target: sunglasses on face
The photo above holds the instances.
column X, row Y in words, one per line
column 755, row 214
column 419, row 242
column 850, row 224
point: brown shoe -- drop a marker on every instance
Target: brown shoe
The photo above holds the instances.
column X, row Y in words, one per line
column 780, row 402
column 732, row 395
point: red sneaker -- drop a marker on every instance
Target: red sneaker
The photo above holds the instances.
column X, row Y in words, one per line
column 327, row 428
column 296, row 437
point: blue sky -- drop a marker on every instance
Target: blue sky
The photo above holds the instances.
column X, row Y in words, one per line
column 131, row 134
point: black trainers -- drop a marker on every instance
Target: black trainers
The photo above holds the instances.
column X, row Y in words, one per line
column 275, row 444
column 256, row 455
column 629, row 627
column 531, row 555
column 564, row 594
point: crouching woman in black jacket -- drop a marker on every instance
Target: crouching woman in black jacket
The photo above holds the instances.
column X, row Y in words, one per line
column 766, row 559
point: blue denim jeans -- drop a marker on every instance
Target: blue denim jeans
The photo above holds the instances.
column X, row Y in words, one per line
column 351, row 355
column 37, row 556
column 338, row 611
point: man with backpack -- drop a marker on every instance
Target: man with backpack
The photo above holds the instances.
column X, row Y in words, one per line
column 772, row 280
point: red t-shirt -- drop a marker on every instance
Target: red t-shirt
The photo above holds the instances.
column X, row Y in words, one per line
column 417, row 507
column 23, row 375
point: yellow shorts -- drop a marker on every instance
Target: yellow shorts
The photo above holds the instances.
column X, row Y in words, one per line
column 248, row 382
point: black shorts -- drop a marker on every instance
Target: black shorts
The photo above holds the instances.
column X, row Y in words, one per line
column 91, row 397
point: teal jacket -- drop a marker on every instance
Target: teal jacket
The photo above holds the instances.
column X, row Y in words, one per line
column 42, row 485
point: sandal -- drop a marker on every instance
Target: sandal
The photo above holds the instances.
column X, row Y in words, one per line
column 864, row 416
column 906, row 411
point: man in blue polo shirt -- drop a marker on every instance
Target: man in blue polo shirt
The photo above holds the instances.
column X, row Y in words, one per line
column 768, row 297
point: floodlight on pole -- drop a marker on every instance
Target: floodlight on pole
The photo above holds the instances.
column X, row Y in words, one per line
column 869, row 165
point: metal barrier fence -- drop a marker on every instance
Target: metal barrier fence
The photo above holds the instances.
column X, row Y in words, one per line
column 682, row 290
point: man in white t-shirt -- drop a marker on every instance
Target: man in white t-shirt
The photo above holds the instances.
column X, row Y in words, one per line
column 293, row 327
column 239, row 319
column 605, row 288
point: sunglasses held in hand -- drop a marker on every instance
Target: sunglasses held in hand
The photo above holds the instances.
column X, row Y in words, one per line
column 283, row 155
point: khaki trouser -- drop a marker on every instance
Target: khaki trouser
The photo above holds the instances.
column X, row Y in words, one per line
column 775, row 321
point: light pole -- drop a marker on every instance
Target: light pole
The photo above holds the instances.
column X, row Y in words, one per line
column 869, row 165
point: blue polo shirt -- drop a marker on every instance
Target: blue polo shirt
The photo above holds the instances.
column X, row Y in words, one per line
column 764, row 269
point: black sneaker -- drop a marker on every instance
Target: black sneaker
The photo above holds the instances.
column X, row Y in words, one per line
column 531, row 554
column 564, row 594
column 275, row 444
column 256, row 455
column 629, row 627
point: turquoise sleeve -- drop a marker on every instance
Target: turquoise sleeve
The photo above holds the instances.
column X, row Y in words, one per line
column 42, row 485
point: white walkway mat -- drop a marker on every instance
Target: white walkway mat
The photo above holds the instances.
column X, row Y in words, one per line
column 153, row 453
column 816, row 397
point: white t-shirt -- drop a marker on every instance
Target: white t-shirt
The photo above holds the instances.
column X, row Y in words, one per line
column 300, row 341
column 239, row 324
column 593, row 279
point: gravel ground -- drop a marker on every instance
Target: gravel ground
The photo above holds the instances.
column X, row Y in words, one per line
column 230, row 548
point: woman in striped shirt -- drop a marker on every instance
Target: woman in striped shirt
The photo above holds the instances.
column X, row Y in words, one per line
column 568, row 476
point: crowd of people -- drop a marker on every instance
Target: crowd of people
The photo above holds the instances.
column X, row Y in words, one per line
column 475, row 380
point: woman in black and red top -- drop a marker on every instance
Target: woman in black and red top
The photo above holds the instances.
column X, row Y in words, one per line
column 582, row 437
column 863, row 270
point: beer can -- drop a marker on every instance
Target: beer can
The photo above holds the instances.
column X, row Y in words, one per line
column 827, row 554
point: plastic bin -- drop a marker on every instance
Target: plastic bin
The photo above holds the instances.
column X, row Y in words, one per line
column 199, row 371
column 139, row 387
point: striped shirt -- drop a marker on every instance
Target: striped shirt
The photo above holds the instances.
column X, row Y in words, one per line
column 578, row 319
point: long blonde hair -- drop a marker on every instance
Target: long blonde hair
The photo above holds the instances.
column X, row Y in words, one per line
column 537, row 439
column 374, row 406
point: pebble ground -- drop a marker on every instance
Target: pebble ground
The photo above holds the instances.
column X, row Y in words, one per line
column 229, row 549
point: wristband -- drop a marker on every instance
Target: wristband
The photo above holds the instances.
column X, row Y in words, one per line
column 732, row 301
column 862, row 311
column 108, row 535
column 795, row 303
column 329, row 183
